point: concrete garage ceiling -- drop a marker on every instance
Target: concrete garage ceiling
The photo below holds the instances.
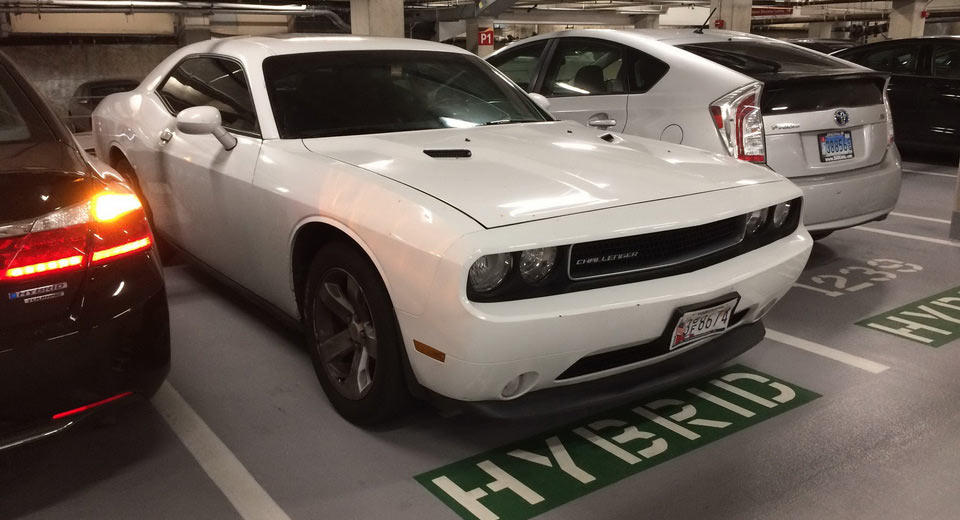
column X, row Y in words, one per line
column 596, row 12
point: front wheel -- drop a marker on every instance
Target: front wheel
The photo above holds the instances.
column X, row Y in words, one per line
column 353, row 336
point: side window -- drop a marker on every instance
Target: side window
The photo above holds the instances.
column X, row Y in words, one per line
column 647, row 71
column 216, row 82
column 946, row 61
column 520, row 64
column 895, row 59
column 582, row 67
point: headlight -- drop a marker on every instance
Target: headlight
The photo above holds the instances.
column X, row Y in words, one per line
column 487, row 273
column 780, row 213
column 756, row 220
column 536, row 264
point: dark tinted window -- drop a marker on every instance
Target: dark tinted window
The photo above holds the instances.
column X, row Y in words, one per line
column 762, row 57
column 647, row 71
column 583, row 67
column 812, row 96
column 897, row 59
column 216, row 82
column 19, row 120
column 946, row 61
column 363, row 92
column 520, row 64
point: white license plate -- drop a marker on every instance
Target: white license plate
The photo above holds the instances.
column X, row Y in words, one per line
column 694, row 325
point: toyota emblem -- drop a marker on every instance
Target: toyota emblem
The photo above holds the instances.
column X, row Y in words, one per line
column 841, row 117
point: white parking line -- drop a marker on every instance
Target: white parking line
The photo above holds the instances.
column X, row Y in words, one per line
column 221, row 465
column 918, row 217
column 931, row 173
column 941, row 241
column 832, row 353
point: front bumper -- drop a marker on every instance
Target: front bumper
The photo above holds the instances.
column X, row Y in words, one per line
column 850, row 198
column 489, row 345
column 115, row 342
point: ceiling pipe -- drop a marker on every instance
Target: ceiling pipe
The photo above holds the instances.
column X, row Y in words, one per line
column 847, row 17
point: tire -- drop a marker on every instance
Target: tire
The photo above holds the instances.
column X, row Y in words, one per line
column 820, row 235
column 353, row 336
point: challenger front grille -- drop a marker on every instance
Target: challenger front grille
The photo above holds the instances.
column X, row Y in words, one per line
column 651, row 251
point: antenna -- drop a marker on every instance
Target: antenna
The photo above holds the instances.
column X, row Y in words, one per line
column 699, row 30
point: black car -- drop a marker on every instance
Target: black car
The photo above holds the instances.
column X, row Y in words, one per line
column 924, row 88
column 88, row 95
column 83, row 310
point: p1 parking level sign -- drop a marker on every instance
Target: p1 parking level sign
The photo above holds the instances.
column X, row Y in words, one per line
column 932, row 321
column 532, row 476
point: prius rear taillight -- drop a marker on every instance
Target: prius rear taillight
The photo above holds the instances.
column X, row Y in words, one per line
column 110, row 225
column 739, row 123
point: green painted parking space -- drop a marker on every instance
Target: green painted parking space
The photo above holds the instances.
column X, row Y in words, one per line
column 932, row 321
column 535, row 475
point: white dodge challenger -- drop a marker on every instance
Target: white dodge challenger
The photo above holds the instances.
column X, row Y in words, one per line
column 439, row 235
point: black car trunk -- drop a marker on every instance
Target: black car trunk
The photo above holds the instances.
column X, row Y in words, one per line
column 32, row 304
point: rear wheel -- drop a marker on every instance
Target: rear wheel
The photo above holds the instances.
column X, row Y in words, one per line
column 353, row 336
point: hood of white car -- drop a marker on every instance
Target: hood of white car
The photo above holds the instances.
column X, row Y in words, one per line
column 521, row 172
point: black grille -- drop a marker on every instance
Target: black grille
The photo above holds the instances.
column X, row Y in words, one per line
column 449, row 154
column 653, row 250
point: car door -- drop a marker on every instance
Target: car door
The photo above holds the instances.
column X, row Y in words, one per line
column 905, row 91
column 208, row 183
column 942, row 92
column 522, row 63
column 586, row 81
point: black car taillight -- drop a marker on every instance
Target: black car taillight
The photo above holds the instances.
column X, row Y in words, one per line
column 109, row 225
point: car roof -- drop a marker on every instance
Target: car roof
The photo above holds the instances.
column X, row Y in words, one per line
column 294, row 43
column 668, row 36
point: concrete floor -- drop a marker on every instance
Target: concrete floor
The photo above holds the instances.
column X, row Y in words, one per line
column 875, row 445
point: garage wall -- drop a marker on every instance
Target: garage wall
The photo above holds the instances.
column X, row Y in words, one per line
column 57, row 70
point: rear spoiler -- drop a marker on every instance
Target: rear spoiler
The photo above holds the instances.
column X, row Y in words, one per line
column 770, row 79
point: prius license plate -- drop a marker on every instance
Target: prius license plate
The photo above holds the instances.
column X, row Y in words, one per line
column 835, row 146
column 697, row 324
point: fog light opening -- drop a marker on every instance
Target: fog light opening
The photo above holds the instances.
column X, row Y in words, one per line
column 519, row 385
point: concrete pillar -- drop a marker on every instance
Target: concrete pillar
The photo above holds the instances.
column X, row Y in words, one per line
column 820, row 30
column 471, row 28
column 485, row 43
column 192, row 29
column 377, row 17
column 736, row 14
column 646, row 21
column 4, row 25
column 905, row 19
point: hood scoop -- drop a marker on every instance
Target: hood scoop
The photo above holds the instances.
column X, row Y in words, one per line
column 450, row 153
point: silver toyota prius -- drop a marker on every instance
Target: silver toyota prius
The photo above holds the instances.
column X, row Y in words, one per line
column 821, row 121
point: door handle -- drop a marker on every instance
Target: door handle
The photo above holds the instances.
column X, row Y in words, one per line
column 166, row 136
column 602, row 123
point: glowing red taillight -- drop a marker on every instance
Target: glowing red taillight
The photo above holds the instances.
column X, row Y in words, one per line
column 110, row 225
column 90, row 406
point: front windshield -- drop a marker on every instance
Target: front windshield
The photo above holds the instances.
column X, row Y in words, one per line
column 326, row 94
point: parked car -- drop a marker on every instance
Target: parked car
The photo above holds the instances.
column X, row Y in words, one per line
column 818, row 120
column 824, row 45
column 88, row 95
column 924, row 88
column 436, row 232
column 83, row 317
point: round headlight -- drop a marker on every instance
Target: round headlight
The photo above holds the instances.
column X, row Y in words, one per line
column 755, row 221
column 487, row 273
column 536, row 264
column 780, row 213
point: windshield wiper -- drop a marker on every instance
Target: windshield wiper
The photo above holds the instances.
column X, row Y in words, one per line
column 509, row 121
